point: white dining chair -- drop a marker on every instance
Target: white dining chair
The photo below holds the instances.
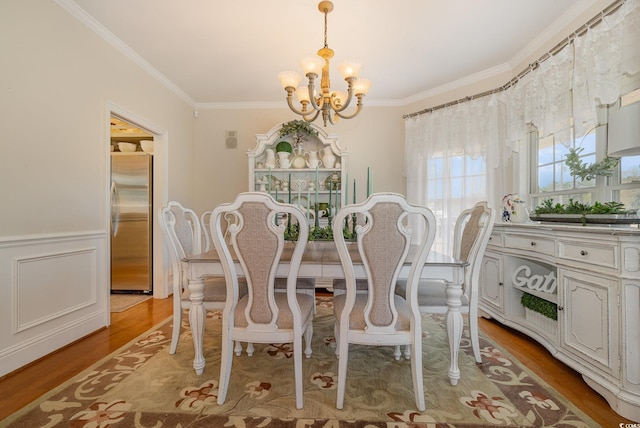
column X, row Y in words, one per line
column 471, row 234
column 379, row 316
column 263, row 315
column 182, row 232
column 206, row 232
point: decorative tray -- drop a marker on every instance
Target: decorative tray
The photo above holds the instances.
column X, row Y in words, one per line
column 588, row 218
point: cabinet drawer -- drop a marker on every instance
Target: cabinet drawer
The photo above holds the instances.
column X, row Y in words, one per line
column 495, row 239
column 530, row 243
column 605, row 255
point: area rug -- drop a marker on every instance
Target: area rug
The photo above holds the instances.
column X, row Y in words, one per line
column 122, row 302
column 141, row 385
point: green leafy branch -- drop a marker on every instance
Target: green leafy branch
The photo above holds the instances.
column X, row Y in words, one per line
column 297, row 127
column 585, row 172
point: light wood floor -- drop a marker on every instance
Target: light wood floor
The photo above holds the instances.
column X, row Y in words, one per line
column 25, row 385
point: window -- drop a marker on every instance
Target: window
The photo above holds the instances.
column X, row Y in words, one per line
column 551, row 179
column 454, row 183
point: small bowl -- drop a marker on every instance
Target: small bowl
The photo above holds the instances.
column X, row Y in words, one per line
column 147, row 146
column 127, row 147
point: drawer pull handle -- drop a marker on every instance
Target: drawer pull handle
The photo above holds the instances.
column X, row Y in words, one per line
column 561, row 308
column 500, row 284
column 533, row 244
column 583, row 253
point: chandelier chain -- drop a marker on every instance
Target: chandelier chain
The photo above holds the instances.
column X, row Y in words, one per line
column 325, row 28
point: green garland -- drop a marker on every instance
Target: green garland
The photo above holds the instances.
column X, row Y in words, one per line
column 540, row 305
column 297, row 127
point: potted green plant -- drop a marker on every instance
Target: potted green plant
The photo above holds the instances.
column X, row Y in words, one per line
column 283, row 146
column 540, row 305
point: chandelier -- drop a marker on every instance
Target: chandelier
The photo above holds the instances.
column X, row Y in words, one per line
column 332, row 104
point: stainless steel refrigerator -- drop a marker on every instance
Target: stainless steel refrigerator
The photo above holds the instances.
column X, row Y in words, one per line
column 131, row 222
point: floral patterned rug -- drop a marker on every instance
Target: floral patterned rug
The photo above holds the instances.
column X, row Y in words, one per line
column 141, row 385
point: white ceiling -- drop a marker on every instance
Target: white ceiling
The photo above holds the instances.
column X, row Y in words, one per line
column 227, row 52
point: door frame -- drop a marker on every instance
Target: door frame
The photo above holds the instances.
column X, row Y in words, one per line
column 160, row 190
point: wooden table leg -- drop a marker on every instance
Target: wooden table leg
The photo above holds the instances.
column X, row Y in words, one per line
column 197, row 315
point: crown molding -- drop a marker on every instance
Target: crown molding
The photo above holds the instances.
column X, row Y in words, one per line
column 80, row 14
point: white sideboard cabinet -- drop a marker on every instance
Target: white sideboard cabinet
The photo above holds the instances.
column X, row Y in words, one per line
column 591, row 277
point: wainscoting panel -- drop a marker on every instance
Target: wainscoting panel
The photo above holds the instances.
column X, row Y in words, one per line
column 54, row 289
column 52, row 285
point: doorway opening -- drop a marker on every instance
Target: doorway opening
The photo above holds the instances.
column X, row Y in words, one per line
column 131, row 208
column 124, row 130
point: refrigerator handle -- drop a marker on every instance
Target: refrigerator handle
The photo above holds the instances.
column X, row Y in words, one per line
column 115, row 209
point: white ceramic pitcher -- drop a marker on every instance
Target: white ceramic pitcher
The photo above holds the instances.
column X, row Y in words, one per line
column 283, row 159
column 327, row 157
column 312, row 159
column 270, row 162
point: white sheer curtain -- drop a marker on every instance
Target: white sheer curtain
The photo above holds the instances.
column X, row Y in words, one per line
column 569, row 85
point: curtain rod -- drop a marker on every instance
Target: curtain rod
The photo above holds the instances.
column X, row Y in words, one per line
column 534, row 65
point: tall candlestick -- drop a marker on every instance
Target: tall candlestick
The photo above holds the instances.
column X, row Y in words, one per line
column 317, row 220
column 346, row 191
column 308, row 199
column 289, row 187
column 330, row 188
column 299, row 185
column 276, row 201
column 354, row 190
column 353, row 216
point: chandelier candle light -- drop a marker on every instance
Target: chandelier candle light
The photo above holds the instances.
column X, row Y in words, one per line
column 327, row 101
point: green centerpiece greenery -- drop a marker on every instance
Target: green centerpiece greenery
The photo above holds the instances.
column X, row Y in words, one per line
column 540, row 305
column 574, row 207
column 583, row 209
column 316, row 233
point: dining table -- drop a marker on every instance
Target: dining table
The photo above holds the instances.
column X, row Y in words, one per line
column 321, row 260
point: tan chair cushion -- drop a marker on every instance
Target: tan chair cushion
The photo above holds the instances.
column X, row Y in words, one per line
column 285, row 318
column 356, row 318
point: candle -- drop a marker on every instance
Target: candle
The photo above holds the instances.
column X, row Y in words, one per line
column 269, row 184
column 346, row 190
column 330, row 188
column 353, row 216
column 317, row 220
column 368, row 182
column 354, row 190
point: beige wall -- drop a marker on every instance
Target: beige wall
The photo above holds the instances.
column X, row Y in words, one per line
column 58, row 79
column 374, row 139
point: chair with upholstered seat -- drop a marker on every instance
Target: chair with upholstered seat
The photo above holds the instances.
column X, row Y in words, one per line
column 256, row 242
column 378, row 316
column 182, row 231
column 471, row 234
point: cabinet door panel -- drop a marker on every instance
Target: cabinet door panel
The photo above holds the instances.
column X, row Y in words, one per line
column 589, row 321
column 491, row 285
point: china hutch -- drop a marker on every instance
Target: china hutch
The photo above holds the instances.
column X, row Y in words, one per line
column 313, row 175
